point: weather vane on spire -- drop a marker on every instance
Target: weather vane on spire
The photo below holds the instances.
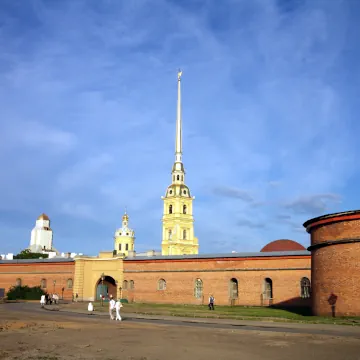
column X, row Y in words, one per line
column 179, row 74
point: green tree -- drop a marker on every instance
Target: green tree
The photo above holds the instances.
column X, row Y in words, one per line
column 27, row 254
column 25, row 293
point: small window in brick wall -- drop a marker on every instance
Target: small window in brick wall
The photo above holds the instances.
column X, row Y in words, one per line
column 18, row 282
column 161, row 284
column 43, row 283
column 132, row 284
column 233, row 289
column 305, row 288
column 268, row 289
column 125, row 284
column 69, row 283
column 198, row 289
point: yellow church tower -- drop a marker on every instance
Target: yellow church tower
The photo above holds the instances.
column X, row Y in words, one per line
column 124, row 239
column 178, row 222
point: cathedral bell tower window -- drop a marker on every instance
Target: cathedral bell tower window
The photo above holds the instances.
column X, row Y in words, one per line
column 170, row 209
column 184, row 209
column 119, row 247
column 184, row 234
column 178, row 177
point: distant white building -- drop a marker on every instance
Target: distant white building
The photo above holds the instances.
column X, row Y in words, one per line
column 9, row 256
column 42, row 241
column 41, row 236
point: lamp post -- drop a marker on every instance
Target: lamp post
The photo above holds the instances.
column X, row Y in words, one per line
column 102, row 289
column 54, row 285
column 120, row 289
column 116, row 283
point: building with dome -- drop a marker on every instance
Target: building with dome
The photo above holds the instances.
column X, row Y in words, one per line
column 283, row 273
column 124, row 239
column 178, row 236
column 41, row 235
column 283, row 245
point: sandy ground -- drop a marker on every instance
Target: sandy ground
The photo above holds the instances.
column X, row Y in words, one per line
column 40, row 336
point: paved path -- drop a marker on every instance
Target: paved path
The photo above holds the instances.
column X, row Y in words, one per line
column 299, row 328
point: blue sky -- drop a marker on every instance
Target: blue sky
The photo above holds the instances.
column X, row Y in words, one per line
column 88, row 107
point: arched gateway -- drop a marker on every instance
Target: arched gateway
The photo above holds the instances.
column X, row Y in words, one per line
column 95, row 275
column 106, row 286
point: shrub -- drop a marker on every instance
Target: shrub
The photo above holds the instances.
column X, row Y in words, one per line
column 27, row 254
column 25, row 293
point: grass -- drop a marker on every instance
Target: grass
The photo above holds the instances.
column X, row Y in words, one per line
column 301, row 315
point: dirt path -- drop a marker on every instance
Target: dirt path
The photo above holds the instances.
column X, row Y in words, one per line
column 39, row 336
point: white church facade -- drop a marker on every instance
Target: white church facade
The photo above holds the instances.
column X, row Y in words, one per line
column 41, row 241
column 41, row 235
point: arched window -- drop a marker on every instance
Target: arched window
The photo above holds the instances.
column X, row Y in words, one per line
column 170, row 209
column 125, row 284
column 305, row 288
column 170, row 234
column 182, row 177
column 198, row 290
column 132, row 284
column 184, row 209
column 119, row 247
column 268, row 289
column 43, row 283
column 126, row 247
column 161, row 284
column 18, row 282
column 184, row 234
column 69, row 283
column 233, row 288
column 178, row 177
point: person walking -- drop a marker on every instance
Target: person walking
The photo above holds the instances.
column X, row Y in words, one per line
column 118, row 305
column 42, row 301
column 111, row 308
column 90, row 308
column 211, row 302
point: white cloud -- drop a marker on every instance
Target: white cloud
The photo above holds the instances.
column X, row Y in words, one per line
column 265, row 110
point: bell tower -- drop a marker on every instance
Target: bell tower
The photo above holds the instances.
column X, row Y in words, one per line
column 178, row 223
column 124, row 239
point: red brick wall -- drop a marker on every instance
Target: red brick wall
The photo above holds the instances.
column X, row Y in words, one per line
column 180, row 276
column 336, row 268
column 32, row 273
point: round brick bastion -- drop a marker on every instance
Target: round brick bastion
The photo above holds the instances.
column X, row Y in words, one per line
column 335, row 263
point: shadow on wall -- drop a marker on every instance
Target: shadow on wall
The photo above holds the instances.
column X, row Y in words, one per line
column 295, row 305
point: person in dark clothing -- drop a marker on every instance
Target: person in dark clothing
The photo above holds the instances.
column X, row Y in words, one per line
column 211, row 302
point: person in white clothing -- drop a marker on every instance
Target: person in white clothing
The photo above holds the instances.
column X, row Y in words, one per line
column 90, row 308
column 118, row 305
column 111, row 308
column 42, row 300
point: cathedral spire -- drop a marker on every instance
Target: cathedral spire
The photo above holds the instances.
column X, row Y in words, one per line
column 178, row 172
column 178, row 142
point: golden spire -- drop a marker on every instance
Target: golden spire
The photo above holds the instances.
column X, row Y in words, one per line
column 125, row 218
column 178, row 142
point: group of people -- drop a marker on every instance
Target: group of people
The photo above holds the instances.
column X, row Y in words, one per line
column 114, row 308
column 48, row 299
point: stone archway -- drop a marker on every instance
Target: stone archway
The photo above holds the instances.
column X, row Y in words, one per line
column 105, row 287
